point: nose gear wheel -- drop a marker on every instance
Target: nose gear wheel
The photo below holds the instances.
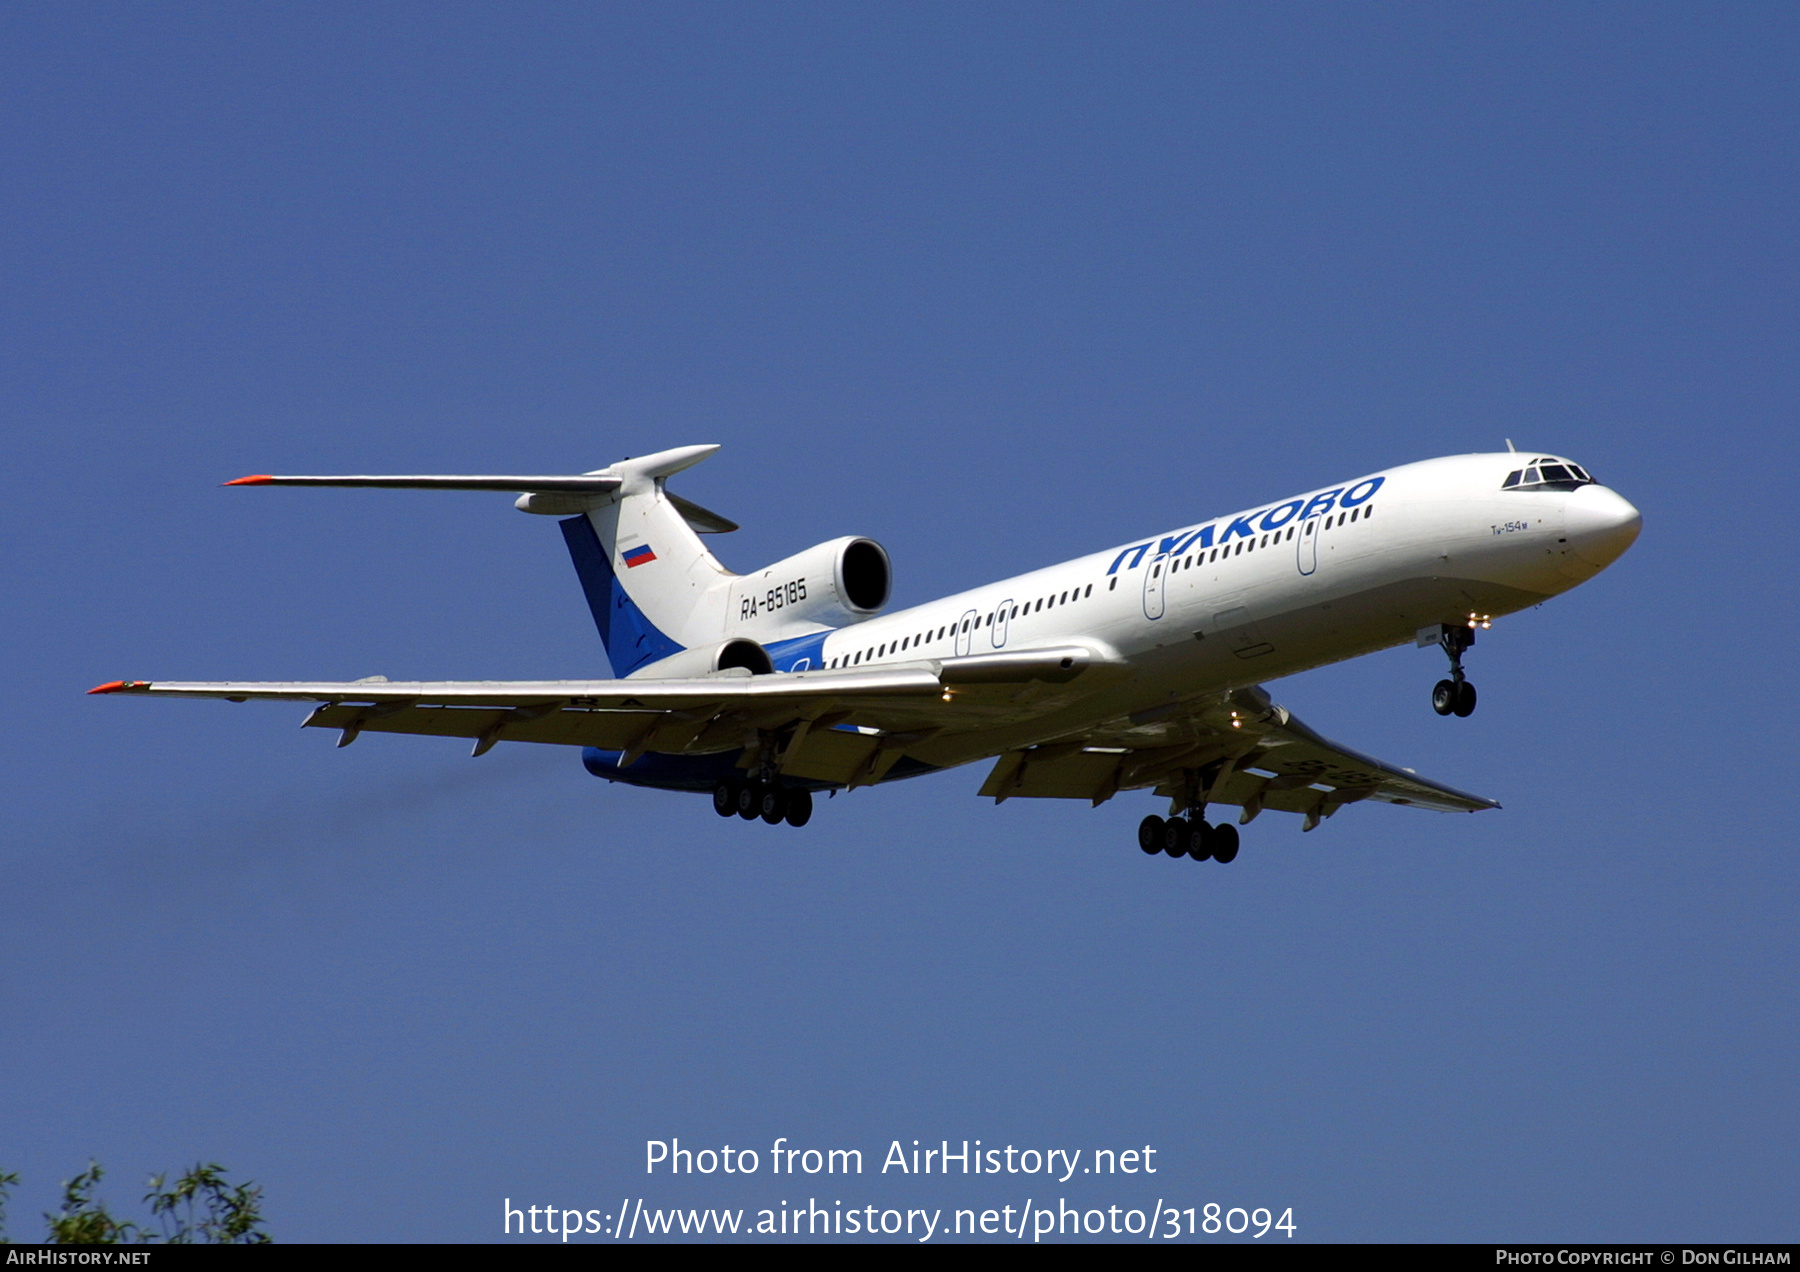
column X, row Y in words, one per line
column 1455, row 696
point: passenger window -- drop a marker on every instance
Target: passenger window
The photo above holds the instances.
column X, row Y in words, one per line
column 1113, row 586
column 1368, row 512
column 1089, row 592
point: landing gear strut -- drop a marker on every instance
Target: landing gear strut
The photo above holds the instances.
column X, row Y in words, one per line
column 1455, row 696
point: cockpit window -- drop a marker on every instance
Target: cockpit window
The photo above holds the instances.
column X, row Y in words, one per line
column 1547, row 473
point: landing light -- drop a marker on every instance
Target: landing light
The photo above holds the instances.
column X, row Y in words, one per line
column 1483, row 621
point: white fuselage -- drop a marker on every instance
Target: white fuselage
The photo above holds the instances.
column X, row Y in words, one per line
column 1282, row 587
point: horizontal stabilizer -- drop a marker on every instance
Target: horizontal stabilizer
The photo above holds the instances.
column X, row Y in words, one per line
column 583, row 483
column 703, row 520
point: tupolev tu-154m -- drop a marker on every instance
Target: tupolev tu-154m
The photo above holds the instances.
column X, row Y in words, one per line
column 1136, row 668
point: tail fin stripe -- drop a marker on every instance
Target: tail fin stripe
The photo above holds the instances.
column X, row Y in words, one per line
column 631, row 639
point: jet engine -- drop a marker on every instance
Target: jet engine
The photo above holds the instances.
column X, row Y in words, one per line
column 845, row 580
column 735, row 656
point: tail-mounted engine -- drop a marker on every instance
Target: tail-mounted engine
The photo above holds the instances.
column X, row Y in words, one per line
column 843, row 581
column 736, row 656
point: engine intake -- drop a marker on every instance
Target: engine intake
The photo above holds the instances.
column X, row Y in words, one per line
column 864, row 575
column 736, row 656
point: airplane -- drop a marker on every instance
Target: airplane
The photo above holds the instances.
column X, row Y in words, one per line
column 1135, row 668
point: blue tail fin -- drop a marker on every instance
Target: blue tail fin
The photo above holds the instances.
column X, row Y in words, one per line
column 631, row 639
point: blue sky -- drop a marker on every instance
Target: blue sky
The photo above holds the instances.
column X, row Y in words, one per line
column 996, row 285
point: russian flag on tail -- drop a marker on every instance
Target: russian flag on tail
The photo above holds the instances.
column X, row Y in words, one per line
column 640, row 555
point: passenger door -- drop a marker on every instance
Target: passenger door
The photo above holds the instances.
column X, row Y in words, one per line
column 1306, row 546
column 997, row 632
column 965, row 634
column 1155, row 581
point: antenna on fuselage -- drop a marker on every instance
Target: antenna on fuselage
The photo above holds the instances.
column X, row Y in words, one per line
column 1511, row 447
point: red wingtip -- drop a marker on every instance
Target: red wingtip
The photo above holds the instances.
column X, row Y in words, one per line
column 262, row 479
column 111, row 686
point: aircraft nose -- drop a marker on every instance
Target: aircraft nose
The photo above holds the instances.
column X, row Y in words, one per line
column 1601, row 524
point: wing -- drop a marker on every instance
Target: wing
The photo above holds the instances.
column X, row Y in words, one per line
column 847, row 727
column 1241, row 749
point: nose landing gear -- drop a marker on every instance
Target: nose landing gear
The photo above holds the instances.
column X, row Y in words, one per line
column 1455, row 696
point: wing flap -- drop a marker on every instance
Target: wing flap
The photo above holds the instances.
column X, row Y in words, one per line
column 1081, row 774
column 608, row 730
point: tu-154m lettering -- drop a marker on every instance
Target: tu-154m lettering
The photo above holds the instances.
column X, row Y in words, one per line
column 1135, row 668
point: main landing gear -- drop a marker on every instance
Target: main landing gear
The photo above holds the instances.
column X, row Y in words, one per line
column 771, row 801
column 1181, row 837
column 1455, row 696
